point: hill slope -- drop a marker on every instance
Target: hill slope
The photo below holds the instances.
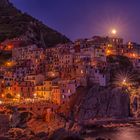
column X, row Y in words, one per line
column 14, row 23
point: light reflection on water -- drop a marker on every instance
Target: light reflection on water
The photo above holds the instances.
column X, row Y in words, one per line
column 123, row 133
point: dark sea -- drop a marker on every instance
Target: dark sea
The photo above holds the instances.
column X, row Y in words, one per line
column 119, row 133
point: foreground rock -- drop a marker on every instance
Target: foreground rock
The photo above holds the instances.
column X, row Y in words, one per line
column 62, row 134
column 97, row 104
column 4, row 123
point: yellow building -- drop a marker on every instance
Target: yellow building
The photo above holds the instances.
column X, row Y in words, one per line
column 44, row 90
column 7, row 92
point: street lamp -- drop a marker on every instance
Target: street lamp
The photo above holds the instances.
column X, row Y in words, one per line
column 124, row 79
column 124, row 82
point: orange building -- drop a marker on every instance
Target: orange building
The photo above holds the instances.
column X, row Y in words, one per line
column 56, row 95
column 23, row 89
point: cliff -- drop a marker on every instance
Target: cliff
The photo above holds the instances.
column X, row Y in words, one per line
column 103, row 103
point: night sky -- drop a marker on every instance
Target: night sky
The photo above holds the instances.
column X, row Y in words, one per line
column 86, row 18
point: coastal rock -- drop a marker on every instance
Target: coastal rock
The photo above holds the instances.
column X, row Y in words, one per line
column 104, row 103
column 4, row 123
column 18, row 133
column 15, row 119
column 20, row 119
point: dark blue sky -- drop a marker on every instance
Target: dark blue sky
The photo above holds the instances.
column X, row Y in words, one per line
column 85, row 18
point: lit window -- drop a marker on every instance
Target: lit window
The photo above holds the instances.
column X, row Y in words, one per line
column 69, row 91
column 63, row 96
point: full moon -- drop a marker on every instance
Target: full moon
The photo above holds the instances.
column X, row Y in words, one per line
column 114, row 31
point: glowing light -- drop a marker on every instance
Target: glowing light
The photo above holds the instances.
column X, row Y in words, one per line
column 109, row 45
column 18, row 96
column 134, row 55
column 0, row 102
column 9, row 47
column 10, row 63
column 124, row 79
column 2, row 95
column 69, row 91
column 82, row 72
column 124, row 82
column 35, row 95
column 114, row 31
column 108, row 52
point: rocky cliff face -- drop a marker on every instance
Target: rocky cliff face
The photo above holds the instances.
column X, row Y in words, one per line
column 104, row 103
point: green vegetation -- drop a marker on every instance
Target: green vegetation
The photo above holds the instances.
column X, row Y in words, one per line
column 124, row 62
column 123, row 65
column 14, row 23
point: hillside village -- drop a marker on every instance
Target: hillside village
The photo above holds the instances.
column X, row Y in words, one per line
column 51, row 87
column 55, row 73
